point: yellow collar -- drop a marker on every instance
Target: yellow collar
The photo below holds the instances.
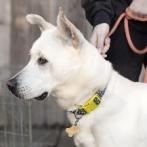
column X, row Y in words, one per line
column 90, row 105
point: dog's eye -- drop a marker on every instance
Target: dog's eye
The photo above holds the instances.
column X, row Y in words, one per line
column 42, row 61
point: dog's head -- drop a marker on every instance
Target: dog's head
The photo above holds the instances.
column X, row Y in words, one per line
column 54, row 59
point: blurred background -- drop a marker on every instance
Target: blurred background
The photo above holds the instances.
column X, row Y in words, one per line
column 30, row 123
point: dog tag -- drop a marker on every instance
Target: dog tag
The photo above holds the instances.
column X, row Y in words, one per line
column 72, row 131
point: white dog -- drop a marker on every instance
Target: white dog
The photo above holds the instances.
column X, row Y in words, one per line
column 63, row 64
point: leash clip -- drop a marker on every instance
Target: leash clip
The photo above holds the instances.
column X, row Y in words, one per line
column 78, row 114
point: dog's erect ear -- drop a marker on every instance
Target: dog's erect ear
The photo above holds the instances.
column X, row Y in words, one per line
column 67, row 30
column 40, row 21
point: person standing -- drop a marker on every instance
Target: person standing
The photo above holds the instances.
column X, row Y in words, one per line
column 102, row 14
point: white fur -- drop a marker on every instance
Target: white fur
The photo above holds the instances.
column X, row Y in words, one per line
column 72, row 75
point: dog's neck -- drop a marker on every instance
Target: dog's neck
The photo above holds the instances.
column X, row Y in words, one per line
column 94, row 75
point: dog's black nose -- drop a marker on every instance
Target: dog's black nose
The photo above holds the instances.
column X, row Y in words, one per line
column 12, row 85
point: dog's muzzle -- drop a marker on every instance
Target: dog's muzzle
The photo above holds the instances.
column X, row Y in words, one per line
column 42, row 96
column 12, row 86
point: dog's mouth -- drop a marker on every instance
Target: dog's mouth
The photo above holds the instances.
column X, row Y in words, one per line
column 42, row 96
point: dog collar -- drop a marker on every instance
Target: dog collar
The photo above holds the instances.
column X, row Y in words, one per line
column 90, row 105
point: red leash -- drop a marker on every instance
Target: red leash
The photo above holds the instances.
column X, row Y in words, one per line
column 130, row 15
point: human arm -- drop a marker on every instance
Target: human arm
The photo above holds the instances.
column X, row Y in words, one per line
column 100, row 14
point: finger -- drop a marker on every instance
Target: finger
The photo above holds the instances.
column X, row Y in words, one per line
column 104, row 55
column 100, row 42
column 106, row 45
column 93, row 39
column 145, row 76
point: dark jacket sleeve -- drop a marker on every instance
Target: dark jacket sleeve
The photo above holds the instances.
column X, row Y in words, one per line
column 98, row 11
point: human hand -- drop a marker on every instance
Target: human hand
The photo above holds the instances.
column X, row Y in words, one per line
column 139, row 6
column 100, row 39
